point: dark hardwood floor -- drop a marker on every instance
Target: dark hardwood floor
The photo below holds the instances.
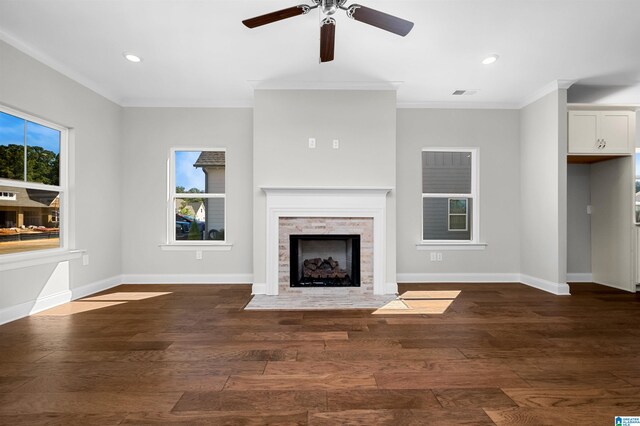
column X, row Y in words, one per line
column 501, row 354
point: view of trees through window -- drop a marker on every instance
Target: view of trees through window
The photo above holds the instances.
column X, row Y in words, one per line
column 30, row 185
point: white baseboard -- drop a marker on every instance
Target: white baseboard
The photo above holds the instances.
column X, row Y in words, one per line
column 560, row 289
column 579, row 277
column 551, row 287
column 187, row 279
column 25, row 309
column 40, row 304
column 259, row 288
column 458, row 278
column 96, row 287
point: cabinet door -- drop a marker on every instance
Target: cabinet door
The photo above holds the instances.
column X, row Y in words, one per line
column 583, row 132
column 614, row 128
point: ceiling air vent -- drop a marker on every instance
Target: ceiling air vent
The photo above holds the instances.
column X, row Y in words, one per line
column 465, row 92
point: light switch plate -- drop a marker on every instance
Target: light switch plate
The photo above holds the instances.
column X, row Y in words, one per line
column 336, row 144
column 312, row 143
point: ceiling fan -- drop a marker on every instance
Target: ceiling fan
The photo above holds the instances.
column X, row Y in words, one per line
column 328, row 26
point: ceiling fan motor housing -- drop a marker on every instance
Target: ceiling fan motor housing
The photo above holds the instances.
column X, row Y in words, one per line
column 329, row 7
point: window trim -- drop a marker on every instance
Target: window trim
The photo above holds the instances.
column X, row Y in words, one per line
column 62, row 188
column 172, row 194
column 474, row 196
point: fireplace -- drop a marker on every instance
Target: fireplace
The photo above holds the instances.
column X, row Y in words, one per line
column 326, row 211
column 324, row 260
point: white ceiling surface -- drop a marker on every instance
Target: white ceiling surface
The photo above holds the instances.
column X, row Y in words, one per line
column 198, row 53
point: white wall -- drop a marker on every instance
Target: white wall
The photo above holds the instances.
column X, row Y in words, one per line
column 284, row 120
column 495, row 133
column 543, row 249
column 34, row 88
column 149, row 133
column 578, row 221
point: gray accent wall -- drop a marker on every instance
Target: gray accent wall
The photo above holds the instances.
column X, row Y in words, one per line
column 149, row 134
column 365, row 124
column 32, row 87
column 496, row 134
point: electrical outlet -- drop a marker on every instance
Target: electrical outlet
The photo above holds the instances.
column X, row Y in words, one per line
column 312, row 143
column 433, row 257
column 198, row 254
column 336, row 144
column 439, row 257
column 588, row 209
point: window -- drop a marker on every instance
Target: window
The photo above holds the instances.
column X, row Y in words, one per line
column 32, row 183
column 449, row 195
column 197, row 196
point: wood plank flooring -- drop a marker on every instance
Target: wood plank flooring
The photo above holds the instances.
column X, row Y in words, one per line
column 502, row 354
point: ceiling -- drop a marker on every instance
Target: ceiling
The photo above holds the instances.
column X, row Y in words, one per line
column 198, row 53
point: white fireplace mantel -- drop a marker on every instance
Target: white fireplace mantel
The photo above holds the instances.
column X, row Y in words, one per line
column 327, row 202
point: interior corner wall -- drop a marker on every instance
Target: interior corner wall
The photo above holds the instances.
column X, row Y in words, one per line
column 149, row 134
column 496, row 134
column 365, row 124
column 543, row 205
column 34, row 88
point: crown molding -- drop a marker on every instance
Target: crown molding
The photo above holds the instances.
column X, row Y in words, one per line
column 323, row 85
column 184, row 103
column 545, row 90
column 457, row 105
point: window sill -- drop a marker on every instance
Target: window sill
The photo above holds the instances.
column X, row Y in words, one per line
column 197, row 247
column 450, row 246
column 25, row 260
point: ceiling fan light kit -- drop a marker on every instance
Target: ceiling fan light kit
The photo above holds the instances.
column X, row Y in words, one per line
column 356, row 12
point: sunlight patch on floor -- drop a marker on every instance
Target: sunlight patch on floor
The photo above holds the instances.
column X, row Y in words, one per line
column 419, row 303
column 127, row 296
column 76, row 308
column 93, row 303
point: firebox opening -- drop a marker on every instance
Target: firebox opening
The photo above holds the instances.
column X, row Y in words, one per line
column 325, row 260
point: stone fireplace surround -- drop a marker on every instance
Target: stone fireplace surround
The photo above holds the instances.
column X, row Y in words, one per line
column 324, row 208
column 362, row 226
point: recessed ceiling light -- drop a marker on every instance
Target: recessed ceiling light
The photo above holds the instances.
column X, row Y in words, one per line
column 131, row 57
column 490, row 59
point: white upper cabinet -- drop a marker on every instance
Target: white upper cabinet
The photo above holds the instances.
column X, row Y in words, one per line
column 601, row 132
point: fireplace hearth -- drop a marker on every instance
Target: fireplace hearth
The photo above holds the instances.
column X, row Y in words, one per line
column 325, row 260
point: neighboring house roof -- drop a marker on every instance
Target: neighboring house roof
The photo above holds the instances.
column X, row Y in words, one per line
column 210, row 158
column 196, row 206
column 30, row 198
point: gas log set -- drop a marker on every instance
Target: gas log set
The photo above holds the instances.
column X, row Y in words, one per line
column 319, row 268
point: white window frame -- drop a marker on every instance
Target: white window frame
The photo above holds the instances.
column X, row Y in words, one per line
column 62, row 189
column 465, row 214
column 172, row 195
column 8, row 196
column 474, row 196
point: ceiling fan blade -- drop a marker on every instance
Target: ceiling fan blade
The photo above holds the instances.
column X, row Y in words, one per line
column 380, row 19
column 277, row 16
column 327, row 39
